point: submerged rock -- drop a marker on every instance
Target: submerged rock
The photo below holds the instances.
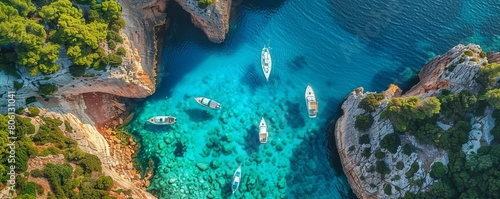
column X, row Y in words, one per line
column 202, row 166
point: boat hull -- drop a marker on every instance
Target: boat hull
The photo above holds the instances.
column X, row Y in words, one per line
column 209, row 103
column 236, row 179
column 263, row 134
column 311, row 102
column 162, row 120
column 266, row 62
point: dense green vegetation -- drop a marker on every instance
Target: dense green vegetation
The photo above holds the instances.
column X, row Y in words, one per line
column 403, row 112
column 370, row 102
column 205, row 3
column 363, row 122
column 465, row 176
column 390, row 142
column 80, row 177
column 36, row 31
column 488, row 74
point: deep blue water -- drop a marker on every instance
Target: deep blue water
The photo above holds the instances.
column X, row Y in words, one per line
column 335, row 45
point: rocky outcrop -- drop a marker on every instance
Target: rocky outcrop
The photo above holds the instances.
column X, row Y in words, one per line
column 213, row 20
column 454, row 71
column 91, row 141
column 135, row 78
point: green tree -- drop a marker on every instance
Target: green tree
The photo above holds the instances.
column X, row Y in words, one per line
column 370, row 102
column 33, row 110
column 391, row 142
column 382, row 168
column 488, row 74
column 363, row 122
column 427, row 133
column 438, row 170
column 104, row 183
column 47, row 89
column 493, row 98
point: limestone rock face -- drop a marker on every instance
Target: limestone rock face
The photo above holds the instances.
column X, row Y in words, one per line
column 213, row 20
column 454, row 71
column 450, row 72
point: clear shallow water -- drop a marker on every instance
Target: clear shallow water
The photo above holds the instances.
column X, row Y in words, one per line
column 334, row 45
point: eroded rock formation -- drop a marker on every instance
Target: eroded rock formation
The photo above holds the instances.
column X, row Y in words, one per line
column 452, row 71
column 213, row 20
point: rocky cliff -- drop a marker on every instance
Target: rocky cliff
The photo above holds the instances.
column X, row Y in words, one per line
column 213, row 20
column 453, row 71
column 135, row 78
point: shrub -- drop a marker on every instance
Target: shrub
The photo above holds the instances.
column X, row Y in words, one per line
column 390, row 142
column 438, row 170
column 403, row 111
column 400, row 165
column 104, row 183
column 18, row 85
column 30, row 100
column 366, row 152
column 493, row 98
column 363, row 122
column 121, row 51
column 388, row 189
column 204, row 3
column 482, row 54
column 77, row 70
column 468, row 52
column 90, row 163
column 68, row 126
column 33, row 111
column 47, row 89
column 407, row 150
column 364, row 139
column 370, row 102
column 413, row 169
column 379, row 154
column 114, row 60
column 382, row 168
column 488, row 74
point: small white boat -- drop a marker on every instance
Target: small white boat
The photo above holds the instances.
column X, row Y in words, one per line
column 263, row 134
column 206, row 102
column 312, row 103
column 162, row 120
column 266, row 62
column 236, row 179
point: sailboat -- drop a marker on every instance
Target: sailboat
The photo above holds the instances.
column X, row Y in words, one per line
column 162, row 120
column 312, row 103
column 265, row 61
column 263, row 131
column 236, row 179
column 206, row 102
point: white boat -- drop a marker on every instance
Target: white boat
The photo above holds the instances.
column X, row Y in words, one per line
column 266, row 62
column 236, row 179
column 162, row 120
column 206, row 102
column 312, row 103
column 263, row 131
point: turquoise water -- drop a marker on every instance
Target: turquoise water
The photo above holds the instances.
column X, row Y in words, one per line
column 334, row 45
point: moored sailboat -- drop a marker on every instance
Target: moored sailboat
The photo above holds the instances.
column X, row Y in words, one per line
column 266, row 62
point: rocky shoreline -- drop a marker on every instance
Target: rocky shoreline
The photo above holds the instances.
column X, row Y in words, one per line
column 451, row 71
